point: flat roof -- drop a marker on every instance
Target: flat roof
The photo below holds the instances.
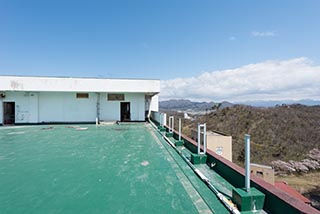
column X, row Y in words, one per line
column 97, row 169
column 71, row 84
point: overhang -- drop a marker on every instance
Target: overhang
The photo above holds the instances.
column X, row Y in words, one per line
column 70, row 84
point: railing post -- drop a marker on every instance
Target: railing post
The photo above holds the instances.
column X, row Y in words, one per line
column 171, row 124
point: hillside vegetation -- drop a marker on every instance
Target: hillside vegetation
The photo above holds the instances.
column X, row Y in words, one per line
column 286, row 132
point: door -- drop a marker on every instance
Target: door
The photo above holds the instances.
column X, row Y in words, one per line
column 8, row 113
column 125, row 111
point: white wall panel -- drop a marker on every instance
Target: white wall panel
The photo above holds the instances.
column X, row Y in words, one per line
column 109, row 110
column 69, row 84
column 1, row 111
column 38, row 107
column 65, row 107
column 154, row 106
column 33, row 107
column 137, row 105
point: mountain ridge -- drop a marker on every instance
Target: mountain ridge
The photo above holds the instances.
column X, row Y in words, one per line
column 188, row 105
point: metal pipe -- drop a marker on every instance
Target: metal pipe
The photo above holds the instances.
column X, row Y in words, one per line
column 171, row 124
column 199, row 138
column 98, row 109
column 204, row 134
column 204, row 138
column 179, row 129
column 247, row 162
column 164, row 119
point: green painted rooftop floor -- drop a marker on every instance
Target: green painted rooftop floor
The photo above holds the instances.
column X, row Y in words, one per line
column 104, row 169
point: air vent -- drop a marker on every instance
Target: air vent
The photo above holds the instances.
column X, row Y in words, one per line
column 2, row 94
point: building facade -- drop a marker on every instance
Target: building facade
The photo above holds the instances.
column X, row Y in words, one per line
column 217, row 142
column 263, row 171
column 26, row 100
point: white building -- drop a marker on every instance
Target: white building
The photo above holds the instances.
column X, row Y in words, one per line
column 62, row 100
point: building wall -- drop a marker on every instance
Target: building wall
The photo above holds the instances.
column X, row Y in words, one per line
column 1, row 111
column 66, row 107
column 110, row 110
column 159, row 118
column 219, row 144
column 264, row 172
column 62, row 84
column 37, row 107
column 137, row 105
column 154, row 105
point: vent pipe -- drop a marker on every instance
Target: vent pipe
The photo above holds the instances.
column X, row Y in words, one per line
column 98, row 109
column 247, row 162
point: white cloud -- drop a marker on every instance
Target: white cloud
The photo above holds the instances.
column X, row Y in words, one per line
column 263, row 34
column 293, row 79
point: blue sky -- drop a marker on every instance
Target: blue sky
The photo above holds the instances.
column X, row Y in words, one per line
column 161, row 39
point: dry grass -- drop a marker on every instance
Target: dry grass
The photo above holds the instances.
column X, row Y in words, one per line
column 308, row 185
column 302, row 183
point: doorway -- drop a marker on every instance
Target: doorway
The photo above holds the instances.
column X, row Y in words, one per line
column 8, row 113
column 125, row 112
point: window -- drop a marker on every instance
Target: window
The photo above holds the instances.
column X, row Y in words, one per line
column 259, row 173
column 82, row 95
column 115, row 97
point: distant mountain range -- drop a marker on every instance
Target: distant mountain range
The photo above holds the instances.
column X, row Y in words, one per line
column 271, row 103
column 188, row 105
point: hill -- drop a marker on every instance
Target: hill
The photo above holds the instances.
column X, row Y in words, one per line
column 187, row 105
column 286, row 132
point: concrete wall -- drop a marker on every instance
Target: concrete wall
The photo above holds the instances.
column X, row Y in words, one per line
column 137, row 105
column 264, row 172
column 65, row 107
column 38, row 107
column 154, row 105
column 220, row 144
column 1, row 111
column 159, row 118
column 110, row 110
